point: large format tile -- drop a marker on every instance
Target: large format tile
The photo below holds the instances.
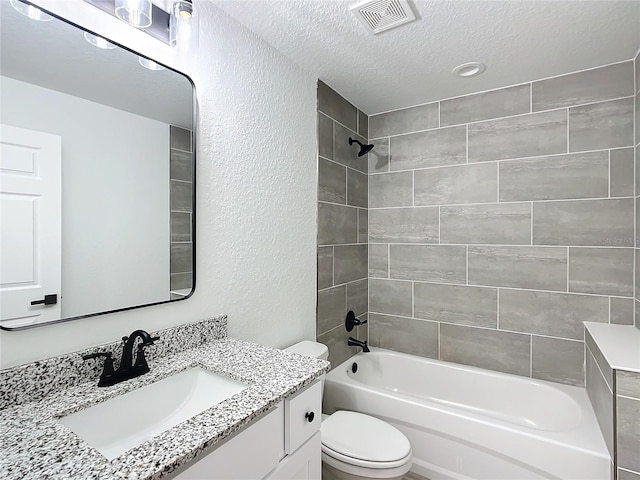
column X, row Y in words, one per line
column 180, row 227
column 622, row 176
column 628, row 384
column 358, row 297
column 348, row 154
column 637, row 117
column 506, row 224
column 181, row 165
column 417, row 337
column 337, row 107
column 491, row 349
column 336, row 342
column 607, row 223
column 332, row 304
column 332, row 182
column 476, row 183
column 181, row 257
column 557, row 360
column 378, row 158
column 603, row 366
column 554, row 314
column 604, row 271
column 181, row 281
column 483, row 106
column 458, row 304
column 406, row 120
column 390, row 296
column 325, row 136
column 595, row 85
column 601, row 125
column 337, row 224
column 379, row 260
column 429, row 263
column 391, row 190
column 628, row 445
column 325, row 267
column 434, row 148
column 519, row 267
column 363, row 124
column 357, row 189
column 523, row 136
column 627, row 475
column 621, row 311
column 601, row 400
column 180, row 138
column 181, row 196
column 363, row 225
column 578, row 175
column 350, row 263
column 403, row 225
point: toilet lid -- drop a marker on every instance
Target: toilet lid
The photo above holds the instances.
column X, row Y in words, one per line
column 364, row 437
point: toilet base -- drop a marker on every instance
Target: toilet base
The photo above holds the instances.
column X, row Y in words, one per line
column 329, row 472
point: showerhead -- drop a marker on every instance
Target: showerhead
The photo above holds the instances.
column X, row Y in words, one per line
column 364, row 149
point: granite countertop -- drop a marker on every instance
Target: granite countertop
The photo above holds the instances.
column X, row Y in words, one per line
column 34, row 445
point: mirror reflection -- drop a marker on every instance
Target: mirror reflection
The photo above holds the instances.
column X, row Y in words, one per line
column 96, row 175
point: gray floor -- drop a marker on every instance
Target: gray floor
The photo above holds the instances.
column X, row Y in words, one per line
column 413, row 476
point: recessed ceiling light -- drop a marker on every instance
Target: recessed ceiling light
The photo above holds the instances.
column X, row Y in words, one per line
column 31, row 11
column 97, row 41
column 150, row 64
column 470, row 69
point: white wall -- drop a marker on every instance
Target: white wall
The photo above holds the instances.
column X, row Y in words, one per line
column 115, row 197
column 256, row 212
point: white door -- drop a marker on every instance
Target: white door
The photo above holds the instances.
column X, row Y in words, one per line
column 30, row 226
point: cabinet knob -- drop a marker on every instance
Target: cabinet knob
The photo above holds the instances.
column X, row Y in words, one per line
column 309, row 416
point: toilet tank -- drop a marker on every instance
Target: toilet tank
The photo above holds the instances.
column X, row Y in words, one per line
column 311, row 349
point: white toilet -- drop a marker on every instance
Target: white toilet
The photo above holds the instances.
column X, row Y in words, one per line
column 354, row 445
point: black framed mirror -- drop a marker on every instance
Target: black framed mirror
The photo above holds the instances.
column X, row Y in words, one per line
column 97, row 175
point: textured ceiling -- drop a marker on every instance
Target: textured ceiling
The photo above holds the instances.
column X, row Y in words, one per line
column 55, row 55
column 518, row 41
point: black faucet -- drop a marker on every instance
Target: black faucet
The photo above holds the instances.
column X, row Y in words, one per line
column 352, row 342
column 127, row 369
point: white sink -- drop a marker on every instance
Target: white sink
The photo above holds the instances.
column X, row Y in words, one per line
column 124, row 422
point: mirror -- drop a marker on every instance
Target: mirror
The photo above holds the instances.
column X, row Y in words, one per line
column 97, row 176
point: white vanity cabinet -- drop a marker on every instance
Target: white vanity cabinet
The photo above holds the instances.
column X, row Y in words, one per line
column 283, row 444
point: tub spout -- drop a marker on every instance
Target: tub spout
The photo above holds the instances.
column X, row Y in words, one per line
column 352, row 342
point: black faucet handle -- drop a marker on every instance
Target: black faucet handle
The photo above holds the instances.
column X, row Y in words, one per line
column 106, row 377
column 153, row 339
column 140, row 365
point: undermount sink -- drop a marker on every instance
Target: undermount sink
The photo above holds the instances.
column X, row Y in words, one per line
column 124, row 422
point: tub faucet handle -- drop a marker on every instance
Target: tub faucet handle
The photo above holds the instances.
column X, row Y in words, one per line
column 351, row 321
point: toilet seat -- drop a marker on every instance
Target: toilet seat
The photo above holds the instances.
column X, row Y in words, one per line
column 363, row 441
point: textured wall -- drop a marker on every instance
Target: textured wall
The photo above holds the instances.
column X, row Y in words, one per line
column 256, row 187
column 500, row 221
column 342, row 222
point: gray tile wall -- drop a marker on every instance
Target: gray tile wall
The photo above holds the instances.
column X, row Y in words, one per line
column 628, row 423
column 181, row 194
column 343, row 202
column 635, row 153
column 500, row 221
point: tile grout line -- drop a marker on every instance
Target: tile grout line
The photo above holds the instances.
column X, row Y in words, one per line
column 568, row 275
column 609, row 173
column 547, row 156
column 509, row 202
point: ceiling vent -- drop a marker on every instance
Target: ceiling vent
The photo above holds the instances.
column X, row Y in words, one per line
column 380, row 15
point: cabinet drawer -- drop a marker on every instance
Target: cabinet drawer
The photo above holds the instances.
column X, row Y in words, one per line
column 302, row 416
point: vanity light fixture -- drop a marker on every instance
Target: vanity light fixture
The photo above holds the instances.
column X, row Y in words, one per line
column 150, row 64
column 174, row 22
column 30, row 11
column 137, row 13
column 99, row 42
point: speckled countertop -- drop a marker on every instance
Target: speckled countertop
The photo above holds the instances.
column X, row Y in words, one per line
column 33, row 445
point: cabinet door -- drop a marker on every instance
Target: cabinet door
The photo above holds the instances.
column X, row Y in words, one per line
column 249, row 455
column 303, row 416
column 304, row 464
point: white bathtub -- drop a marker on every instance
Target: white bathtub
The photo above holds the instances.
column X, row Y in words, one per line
column 470, row 423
